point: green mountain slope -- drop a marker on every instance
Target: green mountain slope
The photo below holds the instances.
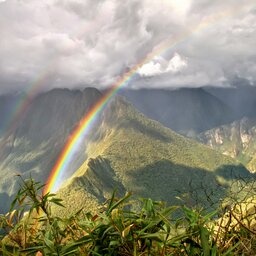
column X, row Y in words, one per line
column 237, row 140
column 133, row 153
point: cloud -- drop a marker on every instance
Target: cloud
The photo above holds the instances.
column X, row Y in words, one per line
column 74, row 43
column 151, row 69
column 177, row 63
column 160, row 66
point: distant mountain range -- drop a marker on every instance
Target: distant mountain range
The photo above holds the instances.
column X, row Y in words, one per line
column 125, row 149
column 241, row 99
column 190, row 111
column 186, row 111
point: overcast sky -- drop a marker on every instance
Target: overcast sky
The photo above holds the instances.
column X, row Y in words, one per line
column 70, row 43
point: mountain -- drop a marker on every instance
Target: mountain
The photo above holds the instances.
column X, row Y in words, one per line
column 34, row 144
column 237, row 140
column 131, row 152
column 187, row 111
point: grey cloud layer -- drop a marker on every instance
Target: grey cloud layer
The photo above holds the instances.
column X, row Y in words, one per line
column 69, row 43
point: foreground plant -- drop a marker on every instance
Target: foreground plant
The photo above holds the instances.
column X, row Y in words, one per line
column 154, row 229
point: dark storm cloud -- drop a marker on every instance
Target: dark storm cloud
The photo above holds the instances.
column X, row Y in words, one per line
column 86, row 42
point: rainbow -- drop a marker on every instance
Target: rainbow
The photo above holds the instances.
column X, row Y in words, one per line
column 80, row 131
column 87, row 122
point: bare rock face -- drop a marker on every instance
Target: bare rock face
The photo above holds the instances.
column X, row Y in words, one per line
column 245, row 138
column 218, row 137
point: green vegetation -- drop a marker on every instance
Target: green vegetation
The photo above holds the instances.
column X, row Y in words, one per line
column 117, row 230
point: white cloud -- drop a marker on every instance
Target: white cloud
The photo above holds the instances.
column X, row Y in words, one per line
column 177, row 63
column 160, row 66
column 87, row 42
column 151, row 68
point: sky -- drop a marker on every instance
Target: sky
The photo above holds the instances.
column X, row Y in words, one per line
column 78, row 43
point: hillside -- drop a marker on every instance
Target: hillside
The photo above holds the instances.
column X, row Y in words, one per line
column 237, row 140
column 133, row 153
